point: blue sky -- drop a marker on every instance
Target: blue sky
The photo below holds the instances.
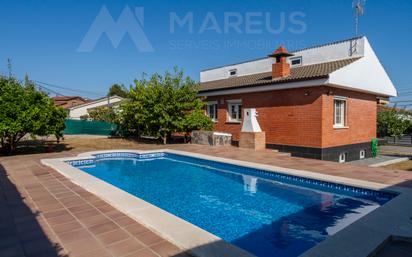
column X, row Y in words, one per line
column 42, row 38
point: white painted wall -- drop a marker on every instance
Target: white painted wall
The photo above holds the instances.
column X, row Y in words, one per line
column 366, row 74
column 333, row 52
column 246, row 68
column 309, row 56
column 77, row 111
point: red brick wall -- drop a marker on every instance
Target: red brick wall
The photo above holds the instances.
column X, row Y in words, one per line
column 361, row 119
column 290, row 117
column 287, row 116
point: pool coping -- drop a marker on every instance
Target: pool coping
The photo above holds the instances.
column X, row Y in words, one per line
column 202, row 243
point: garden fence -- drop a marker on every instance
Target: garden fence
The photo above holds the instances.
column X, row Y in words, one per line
column 403, row 140
column 90, row 127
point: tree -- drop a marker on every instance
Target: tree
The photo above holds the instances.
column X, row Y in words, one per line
column 163, row 105
column 119, row 90
column 107, row 114
column 24, row 110
column 393, row 123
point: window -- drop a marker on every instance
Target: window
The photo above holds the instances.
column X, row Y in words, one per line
column 342, row 157
column 211, row 110
column 235, row 110
column 233, row 72
column 339, row 112
column 296, row 61
column 362, row 154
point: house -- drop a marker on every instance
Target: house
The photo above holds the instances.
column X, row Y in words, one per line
column 319, row 102
column 67, row 102
column 78, row 111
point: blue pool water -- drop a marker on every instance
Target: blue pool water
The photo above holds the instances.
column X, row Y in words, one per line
column 265, row 213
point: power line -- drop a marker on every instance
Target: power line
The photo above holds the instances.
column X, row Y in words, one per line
column 48, row 90
column 39, row 87
column 405, row 92
column 43, row 86
column 403, row 101
column 70, row 89
column 404, row 95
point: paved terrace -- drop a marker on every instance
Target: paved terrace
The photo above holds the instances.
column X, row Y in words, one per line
column 44, row 214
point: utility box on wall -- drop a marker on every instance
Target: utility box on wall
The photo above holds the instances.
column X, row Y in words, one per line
column 251, row 135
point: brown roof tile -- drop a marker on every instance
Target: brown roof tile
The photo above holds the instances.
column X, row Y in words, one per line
column 65, row 98
column 68, row 101
column 308, row 72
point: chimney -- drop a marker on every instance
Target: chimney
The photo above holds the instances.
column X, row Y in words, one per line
column 281, row 68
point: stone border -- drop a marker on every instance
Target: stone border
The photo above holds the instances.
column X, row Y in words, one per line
column 397, row 160
column 204, row 244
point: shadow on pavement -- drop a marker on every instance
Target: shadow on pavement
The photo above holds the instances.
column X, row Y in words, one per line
column 20, row 231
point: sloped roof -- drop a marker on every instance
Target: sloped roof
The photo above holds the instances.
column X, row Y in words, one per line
column 68, row 101
column 301, row 73
column 66, row 98
column 102, row 99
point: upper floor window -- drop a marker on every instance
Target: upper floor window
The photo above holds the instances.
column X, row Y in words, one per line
column 235, row 110
column 296, row 61
column 233, row 73
column 211, row 110
column 339, row 112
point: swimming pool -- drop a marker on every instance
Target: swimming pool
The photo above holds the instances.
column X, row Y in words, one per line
column 263, row 212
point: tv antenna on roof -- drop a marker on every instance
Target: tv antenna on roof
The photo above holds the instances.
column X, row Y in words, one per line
column 359, row 8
